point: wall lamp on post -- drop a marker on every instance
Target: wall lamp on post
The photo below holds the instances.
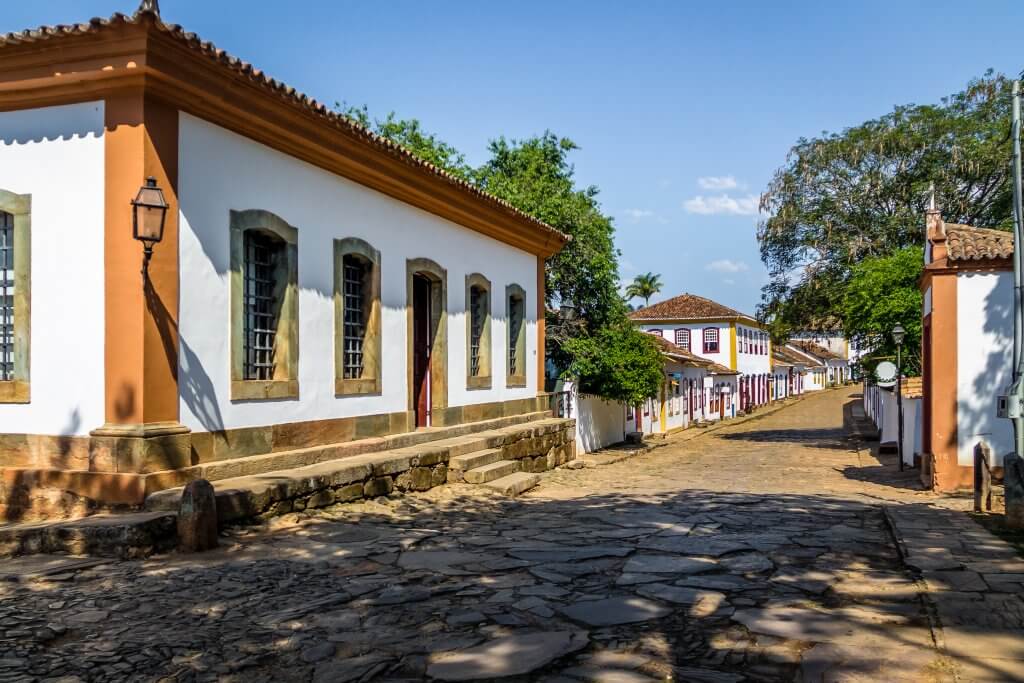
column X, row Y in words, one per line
column 898, row 335
column 566, row 309
column 149, row 213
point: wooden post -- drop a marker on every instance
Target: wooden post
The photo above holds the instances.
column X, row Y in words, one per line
column 982, row 479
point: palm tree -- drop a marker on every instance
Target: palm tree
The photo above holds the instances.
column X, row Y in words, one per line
column 644, row 287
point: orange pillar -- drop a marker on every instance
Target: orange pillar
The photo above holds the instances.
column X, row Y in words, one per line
column 947, row 474
column 141, row 431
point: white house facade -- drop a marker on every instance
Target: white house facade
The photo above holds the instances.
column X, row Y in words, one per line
column 241, row 276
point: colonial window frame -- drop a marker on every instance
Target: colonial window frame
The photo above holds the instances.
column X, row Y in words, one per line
column 479, row 377
column 285, row 382
column 19, row 207
column 515, row 373
column 711, row 338
column 682, row 338
column 369, row 381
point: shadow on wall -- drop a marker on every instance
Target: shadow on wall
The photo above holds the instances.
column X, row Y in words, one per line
column 976, row 418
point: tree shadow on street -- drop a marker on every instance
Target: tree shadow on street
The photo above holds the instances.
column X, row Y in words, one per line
column 728, row 584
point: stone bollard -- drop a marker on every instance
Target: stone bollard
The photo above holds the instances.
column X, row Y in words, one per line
column 982, row 479
column 1013, row 482
column 197, row 517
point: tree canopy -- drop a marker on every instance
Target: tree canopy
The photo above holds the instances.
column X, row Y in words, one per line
column 844, row 198
column 536, row 176
column 882, row 293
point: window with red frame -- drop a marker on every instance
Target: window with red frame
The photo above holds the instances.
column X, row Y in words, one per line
column 711, row 340
column 683, row 339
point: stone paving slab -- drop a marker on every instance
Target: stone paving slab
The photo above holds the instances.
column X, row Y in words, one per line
column 656, row 572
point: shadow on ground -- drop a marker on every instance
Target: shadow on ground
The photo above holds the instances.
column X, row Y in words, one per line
column 702, row 585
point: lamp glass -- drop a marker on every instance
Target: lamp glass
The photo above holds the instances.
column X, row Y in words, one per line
column 898, row 334
column 149, row 213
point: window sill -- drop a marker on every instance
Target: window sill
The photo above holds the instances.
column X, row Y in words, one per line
column 259, row 390
column 14, row 391
column 356, row 387
column 478, row 382
column 516, row 382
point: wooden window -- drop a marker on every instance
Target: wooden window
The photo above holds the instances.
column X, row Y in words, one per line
column 15, row 281
column 357, row 339
column 683, row 338
column 478, row 332
column 7, row 289
column 262, row 304
column 710, row 340
column 264, row 307
column 515, row 318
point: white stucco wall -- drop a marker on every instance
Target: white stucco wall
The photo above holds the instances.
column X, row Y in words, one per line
column 599, row 423
column 985, row 352
column 755, row 361
column 220, row 171
column 56, row 154
column 668, row 331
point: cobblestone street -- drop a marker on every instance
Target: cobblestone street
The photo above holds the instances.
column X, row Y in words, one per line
column 759, row 551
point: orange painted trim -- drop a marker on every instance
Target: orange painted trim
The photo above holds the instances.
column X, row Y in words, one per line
column 123, row 57
column 941, row 401
column 141, row 318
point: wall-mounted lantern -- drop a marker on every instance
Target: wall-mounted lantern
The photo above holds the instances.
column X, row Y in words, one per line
column 149, row 212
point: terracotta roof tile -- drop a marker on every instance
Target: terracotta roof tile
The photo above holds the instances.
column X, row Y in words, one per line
column 967, row 243
column 815, row 350
column 687, row 307
column 668, row 347
column 271, row 85
column 803, row 357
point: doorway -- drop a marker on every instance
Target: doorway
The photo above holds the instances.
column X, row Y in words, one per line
column 421, row 349
column 428, row 343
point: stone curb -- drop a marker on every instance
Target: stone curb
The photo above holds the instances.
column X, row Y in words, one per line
column 930, row 608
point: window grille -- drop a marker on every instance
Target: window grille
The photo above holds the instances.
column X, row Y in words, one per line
column 711, row 340
column 515, row 323
column 476, row 328
column 260, row 309
column 683, row 339
column 354, row 272
column 6, row 296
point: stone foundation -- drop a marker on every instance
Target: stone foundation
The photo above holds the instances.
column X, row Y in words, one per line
column 534, row 446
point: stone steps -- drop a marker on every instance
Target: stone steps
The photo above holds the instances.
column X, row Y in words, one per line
column 475, row 459
column 412, row 468
column 514, row 484
column 486, row 473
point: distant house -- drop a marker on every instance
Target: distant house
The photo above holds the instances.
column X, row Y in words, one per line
column 723, row 335
column 813, row 370
column 967, row 348
column 788, row 372
column 832, row 356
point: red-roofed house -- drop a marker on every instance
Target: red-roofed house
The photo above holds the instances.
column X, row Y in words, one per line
column 967, row 348
column 720, row 334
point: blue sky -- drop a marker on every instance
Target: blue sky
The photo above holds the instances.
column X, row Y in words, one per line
column 682, row 110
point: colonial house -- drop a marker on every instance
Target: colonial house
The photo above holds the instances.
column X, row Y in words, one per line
column 814, row 373
column 725, row 336
column 202, row 265
column 836, row 362
column 788, row 370
column 967, row 349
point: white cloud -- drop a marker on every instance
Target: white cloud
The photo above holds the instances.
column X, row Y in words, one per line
column 637, row 214
column 718, row 182
column 729, row 281
column 727, row 266
column 722, row 204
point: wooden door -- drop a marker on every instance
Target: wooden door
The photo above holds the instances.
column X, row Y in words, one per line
column 421, row 344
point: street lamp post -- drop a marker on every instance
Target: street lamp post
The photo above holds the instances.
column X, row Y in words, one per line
column 898, row 335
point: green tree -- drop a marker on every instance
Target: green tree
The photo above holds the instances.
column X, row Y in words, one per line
column 883, row 292
column 845, row 197
column 644, row 287
column 536, row 177
column 409, row 133
column 618, row 362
